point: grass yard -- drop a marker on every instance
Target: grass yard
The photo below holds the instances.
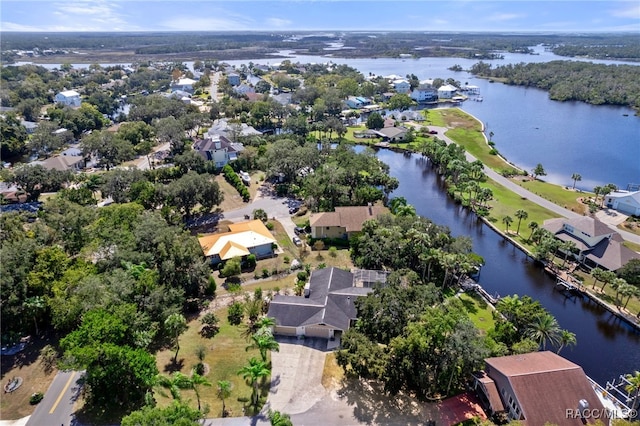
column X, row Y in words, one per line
column 333, row 374
column 506, row 203
column 28, row 365
column 225, row 356
column 557, row 194
column 479, row 312
column 232, row 199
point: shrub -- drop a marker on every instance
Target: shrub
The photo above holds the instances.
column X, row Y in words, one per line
column 235, row 313
column 36, row 398
column 230, row 268
column 302, row 276
column 251, row 261
column 333, row 251
column 286, row 260
column 210, row 290
column 493, row 151
column 269, row 226
column 265, row 273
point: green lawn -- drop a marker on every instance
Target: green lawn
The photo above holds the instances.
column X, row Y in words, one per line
column 562, row 196
column 479, row 312
column 225, row 356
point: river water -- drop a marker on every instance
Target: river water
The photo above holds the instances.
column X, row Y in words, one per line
column 606, row 346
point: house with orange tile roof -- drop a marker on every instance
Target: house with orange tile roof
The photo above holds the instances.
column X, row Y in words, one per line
column 243, row 239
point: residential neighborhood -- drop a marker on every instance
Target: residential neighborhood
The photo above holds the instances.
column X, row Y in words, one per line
column 190, row 234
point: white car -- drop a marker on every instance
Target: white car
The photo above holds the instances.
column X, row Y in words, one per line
column 297, row 241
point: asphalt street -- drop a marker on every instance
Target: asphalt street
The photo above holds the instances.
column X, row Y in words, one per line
column 57, row 406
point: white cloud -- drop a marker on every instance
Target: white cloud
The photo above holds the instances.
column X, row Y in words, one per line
column 501, row 17
column 278, row 22
column 12, row 26
column 189, row 23
column 631, row 10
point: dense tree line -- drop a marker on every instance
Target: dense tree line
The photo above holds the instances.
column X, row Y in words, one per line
column 569, row 80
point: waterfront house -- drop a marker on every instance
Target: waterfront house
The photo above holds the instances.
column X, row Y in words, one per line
column 596, row 245
column 392, row 134
column 218, row 149
column 626, row 202
column 327, row 308
column 537, row 388
column 243, row 239
column 447, row 91
column 343, row 222
column 357, row 102
column 401, row 86
column 424, row 94
column 68, row 97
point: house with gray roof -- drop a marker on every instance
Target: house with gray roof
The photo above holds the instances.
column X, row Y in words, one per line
column 626, row 202
column 596, row 245
column 326, row 310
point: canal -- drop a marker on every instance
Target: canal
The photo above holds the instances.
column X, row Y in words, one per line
column 606, row 346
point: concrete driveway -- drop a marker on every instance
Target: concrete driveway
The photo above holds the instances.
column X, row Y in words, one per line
column 296, row 375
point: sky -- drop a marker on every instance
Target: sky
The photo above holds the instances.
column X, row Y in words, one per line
column 313, row 15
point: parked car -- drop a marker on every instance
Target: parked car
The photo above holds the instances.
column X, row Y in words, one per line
column 297, row 241
column 293, row 210
column 433, row 132
column 299, row 230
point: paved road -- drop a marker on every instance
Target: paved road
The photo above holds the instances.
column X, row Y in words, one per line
column 57, row 406
column 530, row 195
column 275, row 206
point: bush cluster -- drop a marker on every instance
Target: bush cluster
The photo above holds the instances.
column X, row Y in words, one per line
column 233, row 178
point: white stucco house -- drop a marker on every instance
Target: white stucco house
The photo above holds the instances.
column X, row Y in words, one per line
column 401, row 86
column 218, row 149
column 625, row 202
column 424, row 93
column 68, row 97
column 447, row 91
column 183, row 84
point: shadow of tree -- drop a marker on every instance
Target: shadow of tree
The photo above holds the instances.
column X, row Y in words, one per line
column 173, row 366
column 371, row 405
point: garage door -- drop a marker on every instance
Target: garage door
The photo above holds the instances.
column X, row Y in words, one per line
column 626, row 208
column 317, row 332
column 285, row 331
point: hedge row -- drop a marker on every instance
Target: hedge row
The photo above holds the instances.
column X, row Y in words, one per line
column 233, row 178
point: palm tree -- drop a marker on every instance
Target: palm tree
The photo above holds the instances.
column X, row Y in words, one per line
column 93, row 183
column 630, row 291
column 533, row 226
column 276, row 418
column 263, row 342
column 196, row 381
column 618, row 284
column 174, row 383
column 252, row 372
column 607, row 278
column 576, row 178
column 200, row 352
column 597, row 275
column 544, row 328
column 567, row 247
column 566, row 338
column 633, row 387
column 507, row 220
column 224, row 392
column 597, row 190
column 520, row 214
